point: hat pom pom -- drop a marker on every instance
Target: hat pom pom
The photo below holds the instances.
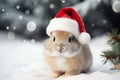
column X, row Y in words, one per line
column 84, row 38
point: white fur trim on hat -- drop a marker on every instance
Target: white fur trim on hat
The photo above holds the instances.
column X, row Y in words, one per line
column 84, row 38
column 63, row 24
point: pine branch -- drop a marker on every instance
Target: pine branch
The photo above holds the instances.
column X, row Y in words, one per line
column 112, row 55
column 114, row 36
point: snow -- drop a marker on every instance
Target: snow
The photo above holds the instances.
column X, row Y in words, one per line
column 14, row 28
column 21, row 60
column 17, row 7
column 11, row 35
column 31, row 26
column 7, row 27
column 51, row 6
column 104, row 21
column 116, row 6
column 27, row 12
column 20, row 17
column 63, row 1
column 3, row 10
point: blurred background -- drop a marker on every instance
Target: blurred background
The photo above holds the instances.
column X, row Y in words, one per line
column 29, row 18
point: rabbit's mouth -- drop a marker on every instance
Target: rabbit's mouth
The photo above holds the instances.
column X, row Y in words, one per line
column 62, row 49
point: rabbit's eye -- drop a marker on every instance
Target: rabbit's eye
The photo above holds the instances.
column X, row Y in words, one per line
column 53, row 38
column 70, row 39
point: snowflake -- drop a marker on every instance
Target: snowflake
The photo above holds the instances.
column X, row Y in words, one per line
column 6, row 13
column 14, row 28
column 20, row 17
column 104, row 21
column 51, row 6
column 31, row 26
column 63, row 1
column 7, row 27
column 27, row 12
column 11, row 35
column 93, row 25
column 99, row 0
column 17, row 7
column 3, row 10
column 116, row 6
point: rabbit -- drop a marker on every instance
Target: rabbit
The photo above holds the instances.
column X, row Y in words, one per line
column 65, row 55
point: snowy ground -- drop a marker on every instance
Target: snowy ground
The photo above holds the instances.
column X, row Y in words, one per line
column 23, row 60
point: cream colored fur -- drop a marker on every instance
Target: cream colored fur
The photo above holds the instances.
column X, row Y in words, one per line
column 70, row 65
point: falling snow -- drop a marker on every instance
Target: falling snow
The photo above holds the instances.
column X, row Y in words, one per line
column 105, row 21
column 27, row 12
column 99, row 0
column 7, row 27
column 11, row 35
column 116, row 6
column 3, row 10
column 14, row 28
column 63, row 1
column 31, row 26
column 17, row 7
column 26, row 62
column 20, row 17
column 93, row 24
column 52, row 6
column 6, row 13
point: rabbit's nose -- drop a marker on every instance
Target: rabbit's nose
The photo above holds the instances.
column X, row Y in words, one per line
column 61, row 49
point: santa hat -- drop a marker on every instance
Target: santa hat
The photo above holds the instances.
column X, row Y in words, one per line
column 67, row 19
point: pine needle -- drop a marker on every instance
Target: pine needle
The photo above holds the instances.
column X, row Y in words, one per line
column 112, row 55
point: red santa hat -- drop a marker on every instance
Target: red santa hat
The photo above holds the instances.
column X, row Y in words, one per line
column 67, row 19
